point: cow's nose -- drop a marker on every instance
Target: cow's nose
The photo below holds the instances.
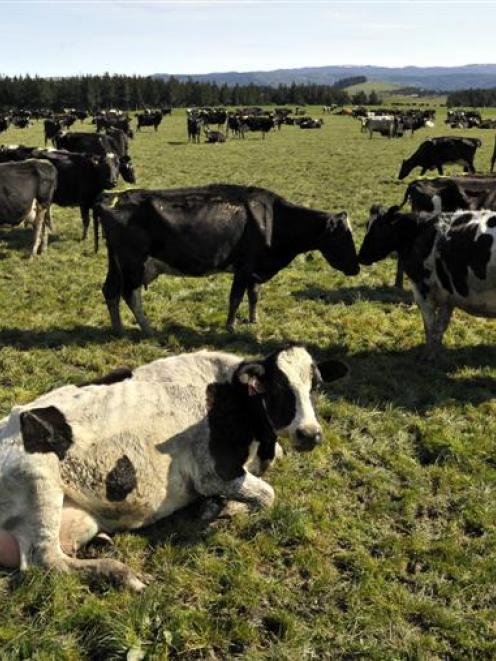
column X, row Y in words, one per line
column 308, row 437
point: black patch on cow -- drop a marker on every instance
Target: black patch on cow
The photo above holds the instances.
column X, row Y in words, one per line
column 461, row 220
column 117, row 375
column 235, row 420
column 491, row 222
column 414, row 261
column 460, row 250
column 121, row 480
column 443, row 276
column 279, row 397
column 46, row 430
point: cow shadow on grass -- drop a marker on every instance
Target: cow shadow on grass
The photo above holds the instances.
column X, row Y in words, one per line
column 351, row 295
column 20, row 239
column 26, row 339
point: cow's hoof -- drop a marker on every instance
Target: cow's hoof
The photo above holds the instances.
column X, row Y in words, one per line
column 138, row 582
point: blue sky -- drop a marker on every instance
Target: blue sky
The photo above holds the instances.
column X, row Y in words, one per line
column 64, row 37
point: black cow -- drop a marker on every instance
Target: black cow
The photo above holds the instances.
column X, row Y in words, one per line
column 449, row 258
column 81, row 178
column 436, row 152
column 149, row 119
column 51, row 127
column 26, row 194
column 259, row 123
column 431, row 196
column 123, row 123
column 235, row 124
column 4, row 123
column 196, row 231
column 113, row 142
column 194, row 125
column 311, row 124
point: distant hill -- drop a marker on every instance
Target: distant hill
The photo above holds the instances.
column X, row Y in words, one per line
column 428, row 78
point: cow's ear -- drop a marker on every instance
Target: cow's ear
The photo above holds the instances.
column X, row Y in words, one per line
column 331, row 370
column 252, row 375
column 262, row 214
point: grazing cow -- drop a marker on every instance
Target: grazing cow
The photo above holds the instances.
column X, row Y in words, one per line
column 214, row 136
column 149, row 119
column 26, row 193
column 150, row 446
column 113, row 142
column 196, row 231
column 81, row 178
column 387, row 125
column 436, row 152
column 449, row 194
column 194, row 125
column 449, row 258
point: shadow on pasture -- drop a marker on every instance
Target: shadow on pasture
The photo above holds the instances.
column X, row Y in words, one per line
column 177, row 143
column 380, row 378
column 21, row 239
column 26, row 339
column 351, row 295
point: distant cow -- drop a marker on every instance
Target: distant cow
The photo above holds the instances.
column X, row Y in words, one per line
column 81, row 178
column 311, row 124
column 149, row 119
column 387, row 125
column 51, row 127
column 113, row 142
column 258, row 123
column 196, row 231
column 194, row 125
column 124, row 453
column 436, row 152
column 26, row 193
column 450, row 260
column 214, row 136
column 4, row 123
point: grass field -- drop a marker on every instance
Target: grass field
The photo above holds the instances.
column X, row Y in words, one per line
column 382, row 542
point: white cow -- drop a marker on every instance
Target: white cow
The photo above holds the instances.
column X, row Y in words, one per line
column 134, row 447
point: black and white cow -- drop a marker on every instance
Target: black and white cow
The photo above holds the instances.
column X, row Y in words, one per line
column 194, row 123
column 449, row 258
column 81, row 178
column 209, row 229
column 26, row 193
column 114, row 141
column 436, row 152
column 148, row 119
column 387, row 125
column 129, row 450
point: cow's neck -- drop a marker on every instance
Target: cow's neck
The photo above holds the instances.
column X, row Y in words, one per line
column 408, row 229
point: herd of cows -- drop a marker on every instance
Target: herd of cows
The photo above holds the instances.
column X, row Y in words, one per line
column 207, row 422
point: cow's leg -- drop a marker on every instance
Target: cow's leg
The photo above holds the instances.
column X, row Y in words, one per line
column 247, row 488
column 85, row 217
column 253, row 295
column 38, row 227
column 135, row 304
column 436, row 319
column 112, row 291
column 398, row 282
column 238, row 289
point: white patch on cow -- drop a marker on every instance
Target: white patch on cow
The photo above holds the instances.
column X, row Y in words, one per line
column 429, row 124
column 12, row 146
column 437, row 208
column 296, row 364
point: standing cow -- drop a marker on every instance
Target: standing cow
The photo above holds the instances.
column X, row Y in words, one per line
column 197, row 231
column 26, row 193
column 127, row 451
column 436, row 152
column 449, row 258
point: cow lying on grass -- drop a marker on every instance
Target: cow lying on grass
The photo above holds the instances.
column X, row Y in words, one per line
column 198, row 231
column 130, row 449
column 450, row 259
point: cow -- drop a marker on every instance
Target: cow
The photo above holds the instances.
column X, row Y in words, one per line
column 195, row 231
column 113, row 142
column 4, row 123
column 126, row 451
column 123, row 123
column 194, row 125
column 235, row 124
column 148, row 119
column 26, row 194
column 311, row 124
column 436, row 152
column 387, row 125
column 449, row 194
column 449, row 258
column 214, row 136
column 493, row 157
column 51, row 128
column 81, row 178
column 261, row 123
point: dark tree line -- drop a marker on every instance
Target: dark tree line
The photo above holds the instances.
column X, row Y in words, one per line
column 132, row 92
column 348, row 82
column 472, row 98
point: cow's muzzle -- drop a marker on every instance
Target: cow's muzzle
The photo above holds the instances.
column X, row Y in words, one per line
column 307, row 438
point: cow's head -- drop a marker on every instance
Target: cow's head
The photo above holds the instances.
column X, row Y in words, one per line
column 284, row 383
column 108, row 169
column 337, row 245
column 126, row 169
column 405, row 169
column 380, row 239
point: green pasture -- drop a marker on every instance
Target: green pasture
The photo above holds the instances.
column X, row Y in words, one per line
column 382, row 542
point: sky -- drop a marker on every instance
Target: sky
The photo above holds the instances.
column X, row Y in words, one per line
column 65, row 37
